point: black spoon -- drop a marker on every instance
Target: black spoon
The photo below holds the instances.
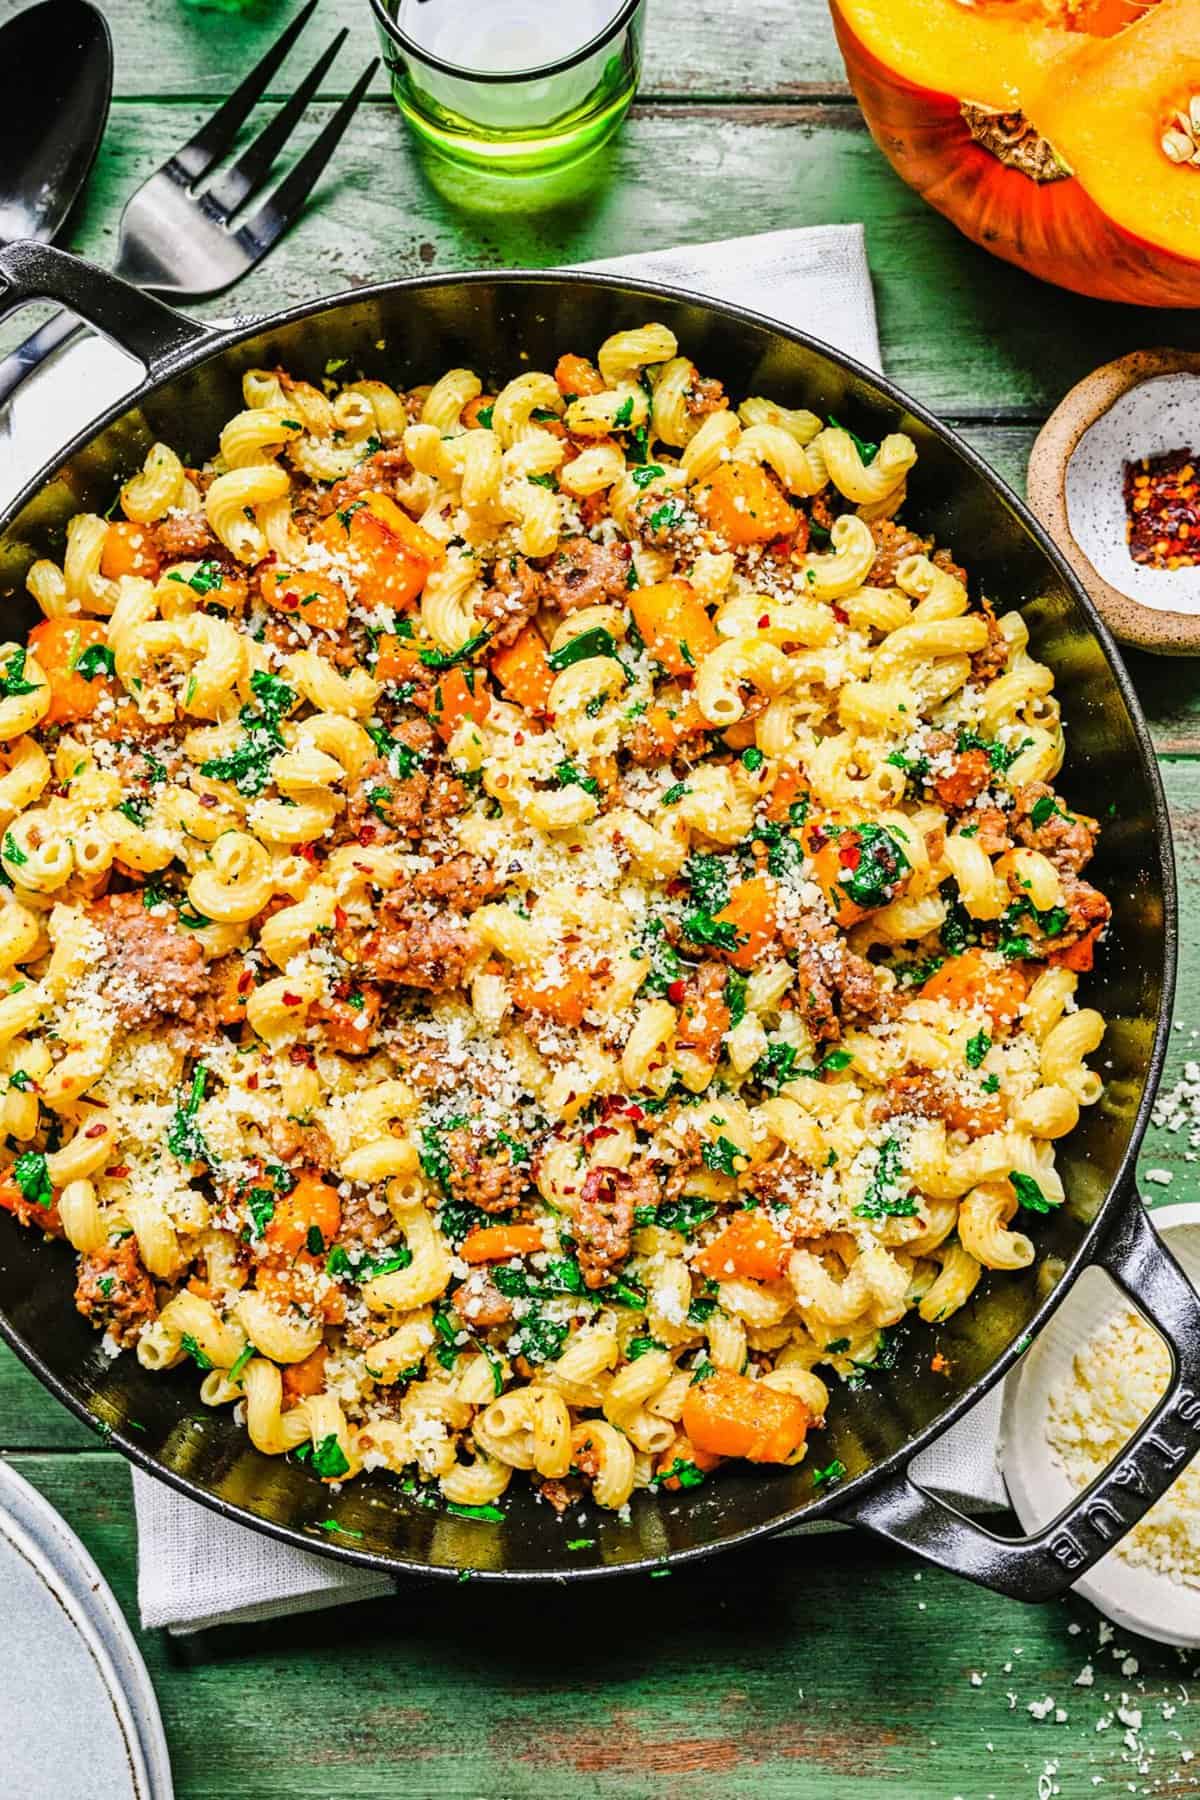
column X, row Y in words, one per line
column 56, row 73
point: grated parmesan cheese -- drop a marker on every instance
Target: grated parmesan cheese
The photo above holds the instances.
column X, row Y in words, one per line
column 1116, row 1379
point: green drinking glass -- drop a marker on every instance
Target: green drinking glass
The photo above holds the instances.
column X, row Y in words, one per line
column 513, row 86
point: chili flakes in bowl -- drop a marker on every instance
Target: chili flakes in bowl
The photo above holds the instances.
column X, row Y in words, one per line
column 1162, row 508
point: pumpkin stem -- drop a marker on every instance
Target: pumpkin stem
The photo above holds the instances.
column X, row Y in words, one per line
column 1013, row 141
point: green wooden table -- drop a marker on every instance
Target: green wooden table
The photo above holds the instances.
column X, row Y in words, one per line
column 811, row 1669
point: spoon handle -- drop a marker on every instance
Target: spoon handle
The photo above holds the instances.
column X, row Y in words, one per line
column 35, row 349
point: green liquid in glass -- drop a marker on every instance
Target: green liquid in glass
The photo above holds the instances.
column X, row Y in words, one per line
column 520, row 149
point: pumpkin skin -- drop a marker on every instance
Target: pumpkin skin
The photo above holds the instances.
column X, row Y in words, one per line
column 1055, row 229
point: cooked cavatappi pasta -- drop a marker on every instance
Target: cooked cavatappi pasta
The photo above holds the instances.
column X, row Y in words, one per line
column 537, row 926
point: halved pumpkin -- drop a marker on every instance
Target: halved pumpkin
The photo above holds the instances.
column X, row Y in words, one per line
column 1056, row 133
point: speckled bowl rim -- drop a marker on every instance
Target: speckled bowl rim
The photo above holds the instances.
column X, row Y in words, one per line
column 1166, row 633
column 1016, row 1422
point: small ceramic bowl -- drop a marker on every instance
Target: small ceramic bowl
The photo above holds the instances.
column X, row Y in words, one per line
column 1140, row 405
column 1130, row 1594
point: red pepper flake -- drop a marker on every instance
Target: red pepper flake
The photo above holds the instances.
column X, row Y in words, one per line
column 764, row 622
column 98, row 1130
column 245, row 981
column 117, row 1172
column 340, row 917
column 675, row 992
column 302, row 1055
column 366, row 835
column 841, row 615
column 290, row 999
column 1162, row 510
column 849, row 856
column 252, row 1082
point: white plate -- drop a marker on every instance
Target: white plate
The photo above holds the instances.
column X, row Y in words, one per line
column 70, row 1670
column 1131, row 1595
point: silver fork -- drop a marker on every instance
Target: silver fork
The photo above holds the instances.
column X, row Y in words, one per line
column 178, row 240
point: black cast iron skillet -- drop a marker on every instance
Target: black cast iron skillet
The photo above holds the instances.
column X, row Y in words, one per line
column 409, row 331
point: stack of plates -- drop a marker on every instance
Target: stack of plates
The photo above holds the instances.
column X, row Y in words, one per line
column 70, row 1670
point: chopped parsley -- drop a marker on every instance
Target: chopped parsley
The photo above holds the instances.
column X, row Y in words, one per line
column 96, row 660
column 623, row 417
column 238, row 1369
column 13, row 852
column 247, row 765
column 204, row 578
column 672, row 512
column 681, row 1214
column 703, row 1371
column 647, row 473
column 329, row 1459
column 700, row 927
column 665, row 966
column 674, row 794
column 12, row 677
column 567, row 775
column 886, row 1196
column 867, row 452
column 1029, row 1194
column 684, row 1472
column 185, row 1140
column 834, row 1471
column 1043, row 809
column 33, row 1178
column 722, row 1156
column 641, row 1346
column 735, row 995
column 201, row 1359
column 450, row 659
column 708, row 878
column 873, row 880
column 596, row 642
column 491, row 1515
column 977, row 1049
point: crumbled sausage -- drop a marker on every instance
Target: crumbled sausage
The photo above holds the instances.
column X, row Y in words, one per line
column 703, row 396
column 603, row 1221
column 581, row 573
column 151, row 969
column 296, row 1142
column 1067, row 838
column 115, row 1290
column 484, row 1175
column 1086, row 909
column 379, row 474
column 991, row 830
column 835, row 986
column 931, row 1095
column 413, row 951
column 465, row 882
column 703, row 1014
column 511, row 601
column 185, row 535
column 989, row 662
column 894, row 544
column 479, row 1302
column 361, row 1223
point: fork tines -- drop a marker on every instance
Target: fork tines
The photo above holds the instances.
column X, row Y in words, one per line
column 248, row 175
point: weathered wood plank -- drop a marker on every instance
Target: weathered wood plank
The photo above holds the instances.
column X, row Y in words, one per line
column 967, row 334
column 693, row 47
column 749, row 1678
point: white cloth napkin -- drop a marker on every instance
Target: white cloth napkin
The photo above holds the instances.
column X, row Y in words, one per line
column 194, row 1568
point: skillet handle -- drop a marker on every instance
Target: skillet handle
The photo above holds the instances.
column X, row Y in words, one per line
column 1041, row 1566
column 154, row 333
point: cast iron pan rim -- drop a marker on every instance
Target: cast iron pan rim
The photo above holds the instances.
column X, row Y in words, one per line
column 1121, row 1191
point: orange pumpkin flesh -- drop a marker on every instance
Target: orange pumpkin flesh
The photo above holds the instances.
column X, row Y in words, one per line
column 1078, row 189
